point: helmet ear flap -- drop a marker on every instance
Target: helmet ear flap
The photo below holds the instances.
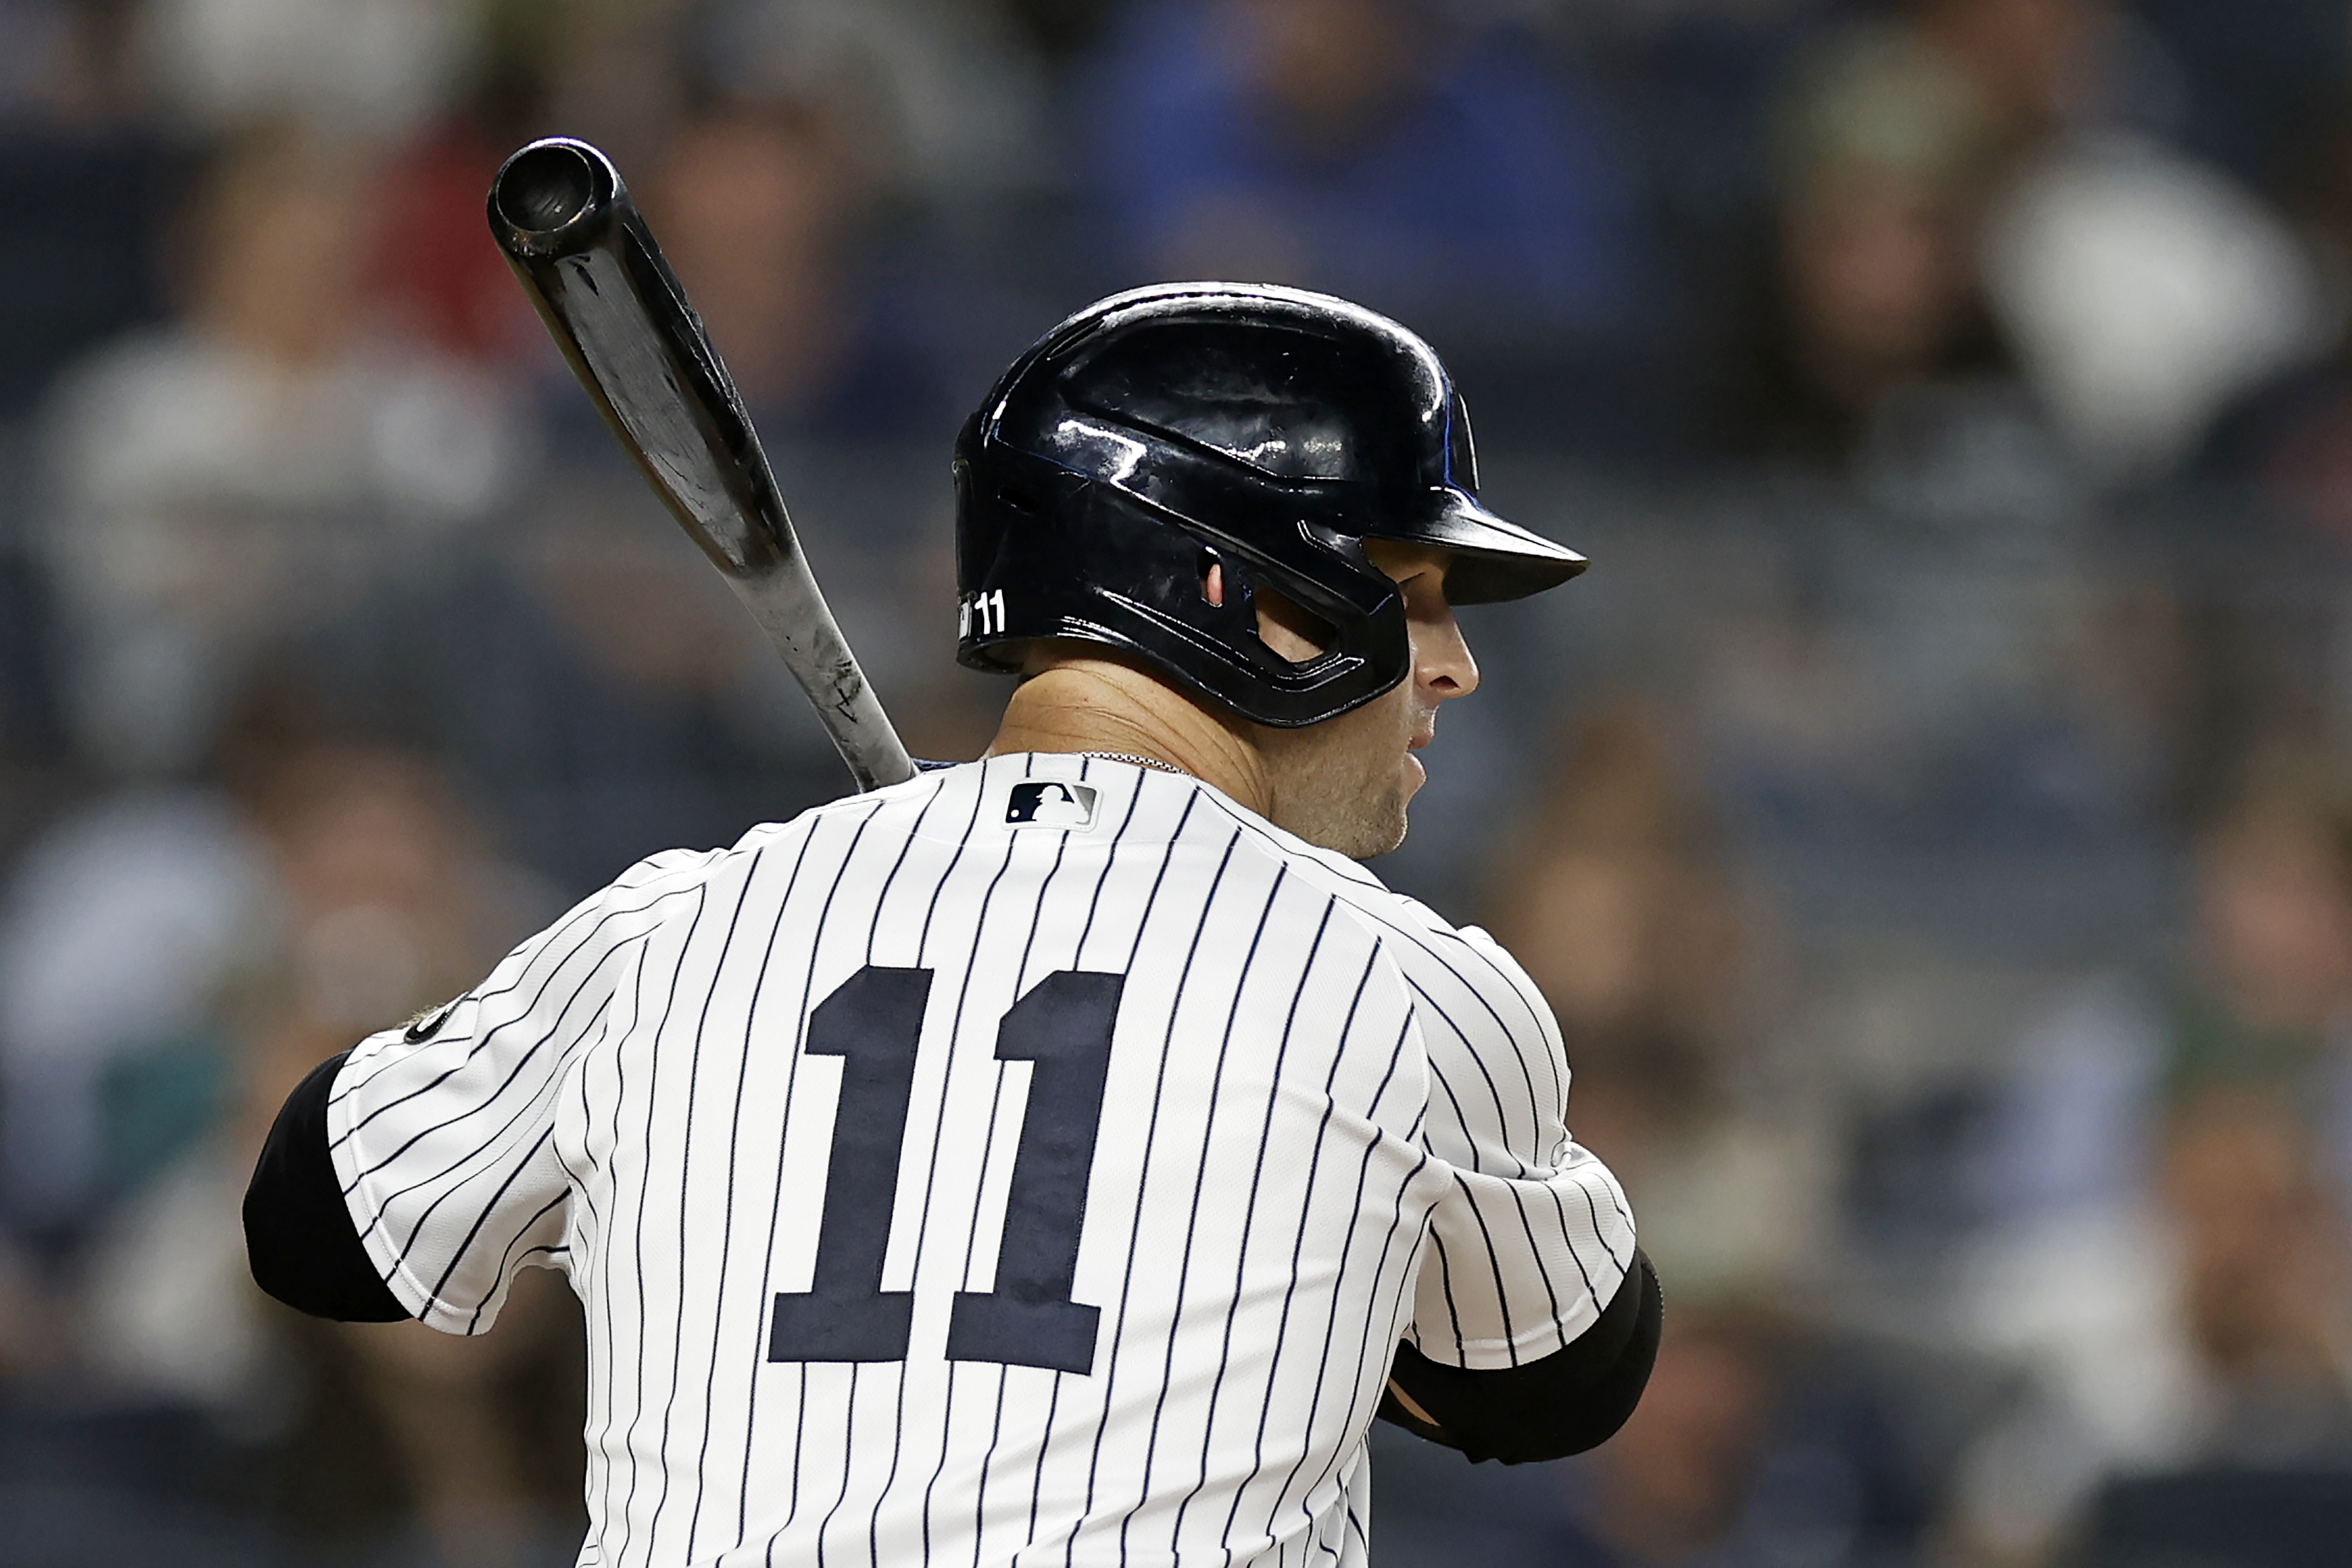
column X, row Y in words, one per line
column 1097, row 563
column 1286, row 629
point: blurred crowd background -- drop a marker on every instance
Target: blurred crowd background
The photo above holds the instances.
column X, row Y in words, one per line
column 1931, row 817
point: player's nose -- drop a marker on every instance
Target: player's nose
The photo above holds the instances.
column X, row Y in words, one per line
column 1443, row 666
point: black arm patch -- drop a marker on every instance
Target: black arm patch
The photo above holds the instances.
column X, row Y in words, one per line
column 297, row 1235
column 1572, row 1399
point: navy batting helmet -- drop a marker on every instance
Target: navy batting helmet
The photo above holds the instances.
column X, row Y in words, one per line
column 1266, row 430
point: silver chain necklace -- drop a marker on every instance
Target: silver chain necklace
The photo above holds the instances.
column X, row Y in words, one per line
column 1152, row 762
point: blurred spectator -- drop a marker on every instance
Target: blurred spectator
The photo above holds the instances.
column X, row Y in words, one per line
column 2171, row 1184
column 940, row 97
column 443, row 283
column 1370, row 148
column 2266, row 984
column 2027, row 66
column 482, row 1435
column 2263, row 1278
column 1671, row 1484
column 391, row 906
column 1972, row 197
column 2142, row 290
column 373, row 68
column 89, row 1039
column 216, row 485
column 613, row 73
column 1758, row 1441
column 1615, row 907
column 1876, row 317
column 1764, row 1442
column 88, row 180
column 593, row 684
column 1614, row 900
column 759, row 206
column 2144, row 293
column 170, row 962
column 393, row 902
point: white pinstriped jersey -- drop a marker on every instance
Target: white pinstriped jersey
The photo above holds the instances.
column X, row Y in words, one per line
column 1035, row 1163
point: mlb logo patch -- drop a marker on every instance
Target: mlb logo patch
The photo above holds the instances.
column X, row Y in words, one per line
column 1050, row 803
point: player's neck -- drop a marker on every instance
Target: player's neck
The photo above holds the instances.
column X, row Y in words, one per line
column 1102, row 705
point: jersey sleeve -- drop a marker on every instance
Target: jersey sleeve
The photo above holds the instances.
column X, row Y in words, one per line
column 1535, row 1237
column 444, row 1134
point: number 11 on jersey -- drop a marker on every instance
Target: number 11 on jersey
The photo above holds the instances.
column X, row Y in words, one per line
column 874, row 1021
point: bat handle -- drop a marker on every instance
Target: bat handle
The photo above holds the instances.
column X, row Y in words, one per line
column 786, row 602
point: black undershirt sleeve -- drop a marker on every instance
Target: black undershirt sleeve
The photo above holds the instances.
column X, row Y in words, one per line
column 1572, row 1399
column 298, row 1234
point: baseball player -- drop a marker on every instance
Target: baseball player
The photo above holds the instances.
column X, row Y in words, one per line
column 1059, row 1158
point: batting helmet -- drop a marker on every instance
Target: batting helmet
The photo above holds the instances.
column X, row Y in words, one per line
column 1266, row 430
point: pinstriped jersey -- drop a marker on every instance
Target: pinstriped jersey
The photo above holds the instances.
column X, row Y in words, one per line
column 1036, row 1163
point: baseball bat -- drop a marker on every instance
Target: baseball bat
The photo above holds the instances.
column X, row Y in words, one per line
column 566, row 224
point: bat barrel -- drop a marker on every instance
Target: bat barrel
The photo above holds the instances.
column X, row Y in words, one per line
column 554, row 197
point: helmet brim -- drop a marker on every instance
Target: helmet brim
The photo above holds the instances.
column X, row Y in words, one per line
column 1494, row 560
